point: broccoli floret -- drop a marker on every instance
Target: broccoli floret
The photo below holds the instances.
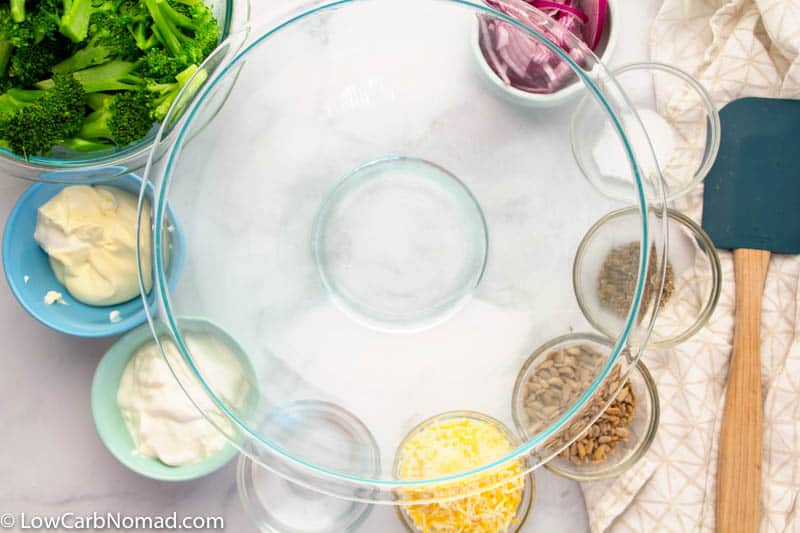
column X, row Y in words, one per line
column 11, row 35
column 18, row 10
column 49, row 119
column 122, row 119
column 108, row 38
column 135, row 16
column 159, row 65
column 97, row 100
column 129, row 60
column 45, row 20
column 39, row 24
column 165, row 93
column 115, row 75
column 33, row 62
column 162, row 65
column 207, row 32
column 14, row 99
column 189, row 33
column 6, row 49
column 77, row 15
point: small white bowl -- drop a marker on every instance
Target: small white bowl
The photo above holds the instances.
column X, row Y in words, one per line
column 605, row 49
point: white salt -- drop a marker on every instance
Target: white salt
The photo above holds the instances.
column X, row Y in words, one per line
column 609, row 153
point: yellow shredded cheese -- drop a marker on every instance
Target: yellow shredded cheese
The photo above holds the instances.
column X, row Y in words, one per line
column 451, row 447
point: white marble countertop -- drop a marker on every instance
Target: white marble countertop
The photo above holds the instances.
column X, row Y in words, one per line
column 52, row 461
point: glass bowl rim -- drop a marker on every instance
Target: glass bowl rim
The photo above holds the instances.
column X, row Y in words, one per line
column 112, row 156
column 642, row 446
column 175, row 148
column 698, row 233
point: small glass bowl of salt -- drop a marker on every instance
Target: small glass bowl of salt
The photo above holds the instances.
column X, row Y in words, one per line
column 681, row 121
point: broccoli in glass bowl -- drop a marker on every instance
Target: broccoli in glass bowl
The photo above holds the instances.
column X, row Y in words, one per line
column 84, row 84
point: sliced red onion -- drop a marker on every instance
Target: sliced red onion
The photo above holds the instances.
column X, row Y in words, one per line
column 523, row 61
column 596, row 13
column 548, row 6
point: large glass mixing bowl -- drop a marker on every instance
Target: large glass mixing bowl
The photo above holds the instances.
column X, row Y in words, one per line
column 63, row 165
column 382, row 231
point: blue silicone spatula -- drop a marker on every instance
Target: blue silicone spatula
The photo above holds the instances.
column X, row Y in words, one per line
column 751, row 206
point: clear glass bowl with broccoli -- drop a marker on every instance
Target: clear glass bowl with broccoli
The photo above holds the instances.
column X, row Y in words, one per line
column 95, row 76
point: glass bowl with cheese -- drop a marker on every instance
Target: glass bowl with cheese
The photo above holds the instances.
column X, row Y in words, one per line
column 496, row 500
column 379, row 229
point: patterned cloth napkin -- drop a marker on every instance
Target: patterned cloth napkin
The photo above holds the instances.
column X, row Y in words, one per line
column 735, row 48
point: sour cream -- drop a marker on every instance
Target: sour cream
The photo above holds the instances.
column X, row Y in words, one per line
column 162, row 420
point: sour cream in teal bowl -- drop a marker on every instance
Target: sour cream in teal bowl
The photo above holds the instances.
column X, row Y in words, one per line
column 134, row 450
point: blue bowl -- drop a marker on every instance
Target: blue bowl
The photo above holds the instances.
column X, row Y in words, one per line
column 111, row 426
column 30, row 276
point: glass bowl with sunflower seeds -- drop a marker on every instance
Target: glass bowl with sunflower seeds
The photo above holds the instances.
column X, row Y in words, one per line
column 621, row 418
column 604, row 277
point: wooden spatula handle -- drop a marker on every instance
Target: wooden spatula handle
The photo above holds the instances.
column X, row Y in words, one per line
column 739, row 466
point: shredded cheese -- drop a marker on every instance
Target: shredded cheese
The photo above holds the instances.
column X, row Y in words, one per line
column 450, row 447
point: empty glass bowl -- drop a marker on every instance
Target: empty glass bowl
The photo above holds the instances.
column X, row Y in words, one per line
column 604, row 276
column 69, row 166
column 277, row 505
column 380, row 230
column 682, row 124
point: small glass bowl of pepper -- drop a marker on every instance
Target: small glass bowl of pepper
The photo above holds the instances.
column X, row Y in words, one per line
column 605, row 273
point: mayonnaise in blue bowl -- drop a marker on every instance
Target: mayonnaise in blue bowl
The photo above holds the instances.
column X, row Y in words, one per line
column 37, row 288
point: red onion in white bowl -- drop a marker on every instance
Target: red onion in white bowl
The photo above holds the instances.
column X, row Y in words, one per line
column 526, row 63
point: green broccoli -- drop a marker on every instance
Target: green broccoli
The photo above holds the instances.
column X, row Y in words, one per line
column 15, row 99
column 45, row 20
column 137, row 19
column 115, row 75
column 11, row 35
column 93, row 74
column 122, row 119
column 84, row 145
column 159, row 65
column 96, row 101
column 18, row 10
column 166, row 93
column 40, row 24
column 32, row 62
column 108, row 38
column 57, row 114
column 188, row 32
column 78, row 13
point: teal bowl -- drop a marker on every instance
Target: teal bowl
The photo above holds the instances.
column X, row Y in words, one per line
column 108, row 419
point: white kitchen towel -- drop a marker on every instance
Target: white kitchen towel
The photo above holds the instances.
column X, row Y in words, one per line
column 735, row 48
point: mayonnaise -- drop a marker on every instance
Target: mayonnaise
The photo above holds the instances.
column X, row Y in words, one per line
column 162, row 420
column 90, row 235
